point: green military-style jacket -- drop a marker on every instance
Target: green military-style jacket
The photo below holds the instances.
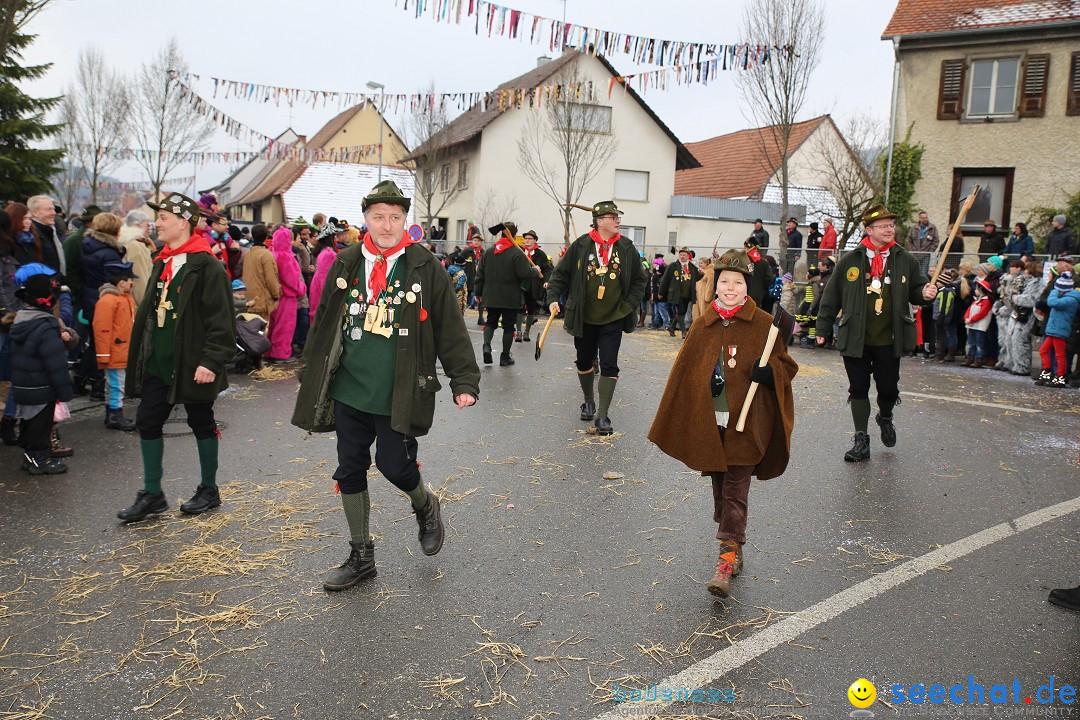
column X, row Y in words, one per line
column 499, row 278
column 205, row 331
column 571, row 273
column 846, row 292
column 442, row 335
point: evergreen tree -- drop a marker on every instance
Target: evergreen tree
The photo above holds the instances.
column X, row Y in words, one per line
column 24, row 170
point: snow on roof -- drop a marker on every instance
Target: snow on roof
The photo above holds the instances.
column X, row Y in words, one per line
column 337, row 189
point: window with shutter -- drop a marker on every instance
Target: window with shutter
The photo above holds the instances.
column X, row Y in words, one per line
column 1033, row 94
column 1072, row 103
column 951, row 91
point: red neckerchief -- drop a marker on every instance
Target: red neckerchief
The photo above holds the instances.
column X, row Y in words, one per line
column 754, row 254
column 724, row 312
column 195, row 244
column 605, row 245
column 530, row 252
column 377, row 281
column 877, row 262
column 502, row 244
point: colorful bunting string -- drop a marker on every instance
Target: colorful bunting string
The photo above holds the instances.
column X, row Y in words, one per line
column 736, row 58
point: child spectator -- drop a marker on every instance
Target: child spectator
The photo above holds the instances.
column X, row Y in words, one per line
column 39, row 372
column 1064, row 302
column 805, row 315
column 977, row 320
column 114, row 317
column 945, row 309
column 457, row 277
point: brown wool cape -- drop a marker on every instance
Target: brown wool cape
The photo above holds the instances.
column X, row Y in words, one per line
column 685, row 423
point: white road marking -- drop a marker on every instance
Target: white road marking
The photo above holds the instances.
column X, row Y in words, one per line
column 978, row 403
column 731, row 658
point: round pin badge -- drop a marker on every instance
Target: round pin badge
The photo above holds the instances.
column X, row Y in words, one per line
column 342, row 284
column 410, row 296
column 416, row 233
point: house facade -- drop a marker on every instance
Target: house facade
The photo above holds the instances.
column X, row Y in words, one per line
column 991, row 88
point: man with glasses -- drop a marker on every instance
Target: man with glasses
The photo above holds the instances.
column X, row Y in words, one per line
column 871, row 290
column 605, row 281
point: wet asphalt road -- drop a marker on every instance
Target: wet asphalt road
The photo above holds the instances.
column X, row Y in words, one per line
column 556, row 584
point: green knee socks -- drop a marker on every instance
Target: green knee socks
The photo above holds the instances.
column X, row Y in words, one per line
column 860, row 413
column 152, row 453
column 586, row 379
column 607, row 391
column 508, row 341
column 208, row 460
column 357, row 511
column 418, row 496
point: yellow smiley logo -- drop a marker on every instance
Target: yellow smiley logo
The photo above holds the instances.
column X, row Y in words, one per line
column 853, row 274
column 862, row 693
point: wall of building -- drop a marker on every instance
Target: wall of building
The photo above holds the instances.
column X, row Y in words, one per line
column 363, row 129
column 1042, row 150
column 700, row 234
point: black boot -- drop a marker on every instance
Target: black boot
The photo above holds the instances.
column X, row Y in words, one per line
column 1066, row 598
column 1044, row 378
column 361, row 564
column 888, row 430
column 97, row 389
column 39, row 463
column 861, row 449
column 205, row 498
column 588, row 410
column 487, row 354
column 603, row 426
column 9, row 432
column 115, row 420
column 431, row 526
column 145, row 504
column 506, row 359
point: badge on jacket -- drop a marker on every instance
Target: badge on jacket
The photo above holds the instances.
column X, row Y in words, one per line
column 853, row 274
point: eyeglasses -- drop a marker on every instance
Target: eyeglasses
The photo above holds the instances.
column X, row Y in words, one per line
column 890, row 226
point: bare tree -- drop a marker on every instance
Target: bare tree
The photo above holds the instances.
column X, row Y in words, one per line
column 566, row 145
column 774, row 92
column 493, row 207
column 846, row 164
column 161, row 120
column 102, row 107
column 73, row 175
column 439, row 170
column 14, row 15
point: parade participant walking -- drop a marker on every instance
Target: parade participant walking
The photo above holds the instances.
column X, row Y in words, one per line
column 708, row 386
column 679, row 287
column 762, row 278
column 386, row 313
column 602, row 273
column 535, row 290
column 283, row 319
column 114, row 317
column 181, row 341
column 499, row 276
column 874, row 286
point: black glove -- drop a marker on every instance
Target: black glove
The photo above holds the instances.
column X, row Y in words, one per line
column 717, row 385
column 762, row 375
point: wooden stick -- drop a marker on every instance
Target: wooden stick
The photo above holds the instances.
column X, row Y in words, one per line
column 955, row 229
column 543, row 335
column 774, row 332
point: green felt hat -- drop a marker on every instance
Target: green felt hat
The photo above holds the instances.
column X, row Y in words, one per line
column 605, row 207
column 736, row 260
column 180, row 205
column 386, row 192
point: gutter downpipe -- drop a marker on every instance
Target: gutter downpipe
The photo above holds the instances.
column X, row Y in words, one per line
column 892, row 119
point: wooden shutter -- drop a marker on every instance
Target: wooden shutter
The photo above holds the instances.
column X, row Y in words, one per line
column 951, row 91
column 1072, row 104
column 1033, row 87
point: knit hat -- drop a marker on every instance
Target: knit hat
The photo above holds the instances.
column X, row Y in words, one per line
column 1059, row 219
column 988, row 268
column 813, row 226
column 1065, row 258
column 996, row 260
column 947, row 277
column 1065, row 282
column 300, row 224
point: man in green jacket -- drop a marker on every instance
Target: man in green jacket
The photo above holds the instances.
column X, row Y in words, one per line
column 679, row 288
column 872, row 290
column 606, row 281
column 182, row 339
column 387, row 311
column 499, row 277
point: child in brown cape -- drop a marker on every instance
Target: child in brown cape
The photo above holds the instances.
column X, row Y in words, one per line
column 700, row 407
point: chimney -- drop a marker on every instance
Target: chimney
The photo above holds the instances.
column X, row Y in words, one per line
column 542, row 60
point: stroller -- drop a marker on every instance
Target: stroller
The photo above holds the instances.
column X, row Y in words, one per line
column 251, row 342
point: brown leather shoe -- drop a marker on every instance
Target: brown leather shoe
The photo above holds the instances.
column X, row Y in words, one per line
column 728, row 565
column 58, row 449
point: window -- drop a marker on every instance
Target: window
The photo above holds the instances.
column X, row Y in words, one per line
column 429, row 181
column 1072, row 103
column 459, row 235
column 993, row 87
column 582, row 116
column 1033, row 89
column 444, row 178
column 463, row 174
column 994, row 201
column 636, row 235
column 673, row 238
column 632, row 185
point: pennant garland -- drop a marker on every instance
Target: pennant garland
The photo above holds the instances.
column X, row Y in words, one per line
column 735, row 57
column 139, row 185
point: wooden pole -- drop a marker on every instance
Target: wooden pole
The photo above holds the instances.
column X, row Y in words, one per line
column 774, row 332
column 955, row 229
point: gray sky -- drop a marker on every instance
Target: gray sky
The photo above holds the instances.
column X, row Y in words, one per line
column 341, row 44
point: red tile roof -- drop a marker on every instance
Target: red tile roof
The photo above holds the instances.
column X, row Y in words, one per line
column 740, row 164
column 924, row 17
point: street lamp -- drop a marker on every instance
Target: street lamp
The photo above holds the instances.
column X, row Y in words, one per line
column 372, row 85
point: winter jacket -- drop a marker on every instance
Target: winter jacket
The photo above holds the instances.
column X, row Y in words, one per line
column 323, row 262
column 1058, row 241
column 114, row 317
column 919, row 242
column 978, row 315
column 499, row 277
column 670, row 293
column 1019, row 245
column 138, row 253
column 685, row 423
column 261, row 279
column 98, row 249
column 26, row 248
column 828, row 243
column 847, row 291
column 52, row 247
column 73, row 258
column 205, row 331
column 945, row 305
column 992, row 244
column 570, row 275
column 39, row 370
column 794, row 240
column 813, row 240
column 535, row 284
column 1063, row 309
column 441, row 336
column 8, row 302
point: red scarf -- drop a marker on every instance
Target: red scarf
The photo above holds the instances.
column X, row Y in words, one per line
column 502, row 244
column 195, row 244
column 530, row 252
column 754, row 254
column 605, row 245
column 877, row 262
column 377, row 281
column 724, row 312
